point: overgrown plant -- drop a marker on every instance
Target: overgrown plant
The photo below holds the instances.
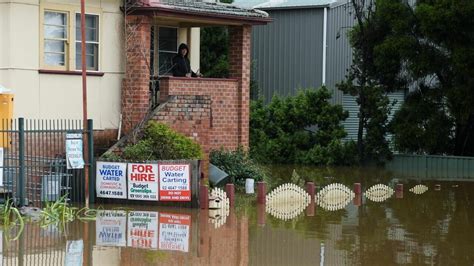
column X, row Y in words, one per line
column 160, row 142
column 305, row 129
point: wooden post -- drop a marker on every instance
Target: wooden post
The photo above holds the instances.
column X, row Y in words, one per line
column 399, row 191
column 261, row 214
column 357, row 188
column 261, row 192
column 204, row 197
column 230, row 191
column 358, row 200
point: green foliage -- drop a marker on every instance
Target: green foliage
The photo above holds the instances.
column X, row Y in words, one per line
column 237, row 164
column 281, row 132
column 427, row 46
column 11, row 217
column 422, row 125
column 214, row 50
column 160, row 142
column 370, row 79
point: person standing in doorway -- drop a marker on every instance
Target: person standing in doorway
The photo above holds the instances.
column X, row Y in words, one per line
column 181, row 65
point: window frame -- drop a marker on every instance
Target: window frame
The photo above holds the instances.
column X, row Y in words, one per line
column 158, row 50
column 98, row 41
column 70, row 49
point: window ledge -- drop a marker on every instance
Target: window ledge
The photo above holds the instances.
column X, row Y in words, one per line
column 68, row 72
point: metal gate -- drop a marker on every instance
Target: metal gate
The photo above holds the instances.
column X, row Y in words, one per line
column 34, row 166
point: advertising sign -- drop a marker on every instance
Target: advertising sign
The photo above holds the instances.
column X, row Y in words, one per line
column 111, row 180
column 74, row 249
column 111, row 228
column 142, row 229
column 174, row 232
column 175, row 182
column 142, row 181
column 74, row 157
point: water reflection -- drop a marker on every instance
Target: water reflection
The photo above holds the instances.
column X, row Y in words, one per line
column 432, row 228
column 379, row 193
column 334, row 197
column 419, row 189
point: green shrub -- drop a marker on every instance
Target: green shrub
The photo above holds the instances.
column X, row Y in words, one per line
column 237, row 164
column 305, row 128
column 160, row 142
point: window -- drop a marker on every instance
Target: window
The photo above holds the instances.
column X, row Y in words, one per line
column 61, row 38
column 55, row 38
column 92, row 42
column 167, row 48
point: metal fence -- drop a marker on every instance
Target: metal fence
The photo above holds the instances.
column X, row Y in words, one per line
column 34, row 165
column 433, row 166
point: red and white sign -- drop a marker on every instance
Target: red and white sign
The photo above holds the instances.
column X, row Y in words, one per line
column 142, row 229
column 142, row 181
column 175, row 182
column 174, row 232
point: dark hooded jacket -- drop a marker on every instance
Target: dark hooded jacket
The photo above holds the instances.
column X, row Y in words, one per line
column 181, row 65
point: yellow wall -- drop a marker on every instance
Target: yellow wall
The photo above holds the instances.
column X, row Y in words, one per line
column 53, row 96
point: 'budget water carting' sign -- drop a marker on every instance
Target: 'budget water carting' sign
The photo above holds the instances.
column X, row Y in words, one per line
column 175, row 182
column 111, row 227
column 142, row 229
column 111, row 181
column 174, row 231
column 142, row 181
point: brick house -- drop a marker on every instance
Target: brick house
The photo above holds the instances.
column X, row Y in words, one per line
column 215, row 112
column 129, row 44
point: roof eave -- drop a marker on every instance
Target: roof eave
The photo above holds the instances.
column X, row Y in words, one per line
column 172, row 12
column 293, row 7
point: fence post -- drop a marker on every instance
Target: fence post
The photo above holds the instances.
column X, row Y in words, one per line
column 90, row 143
column 21, row 160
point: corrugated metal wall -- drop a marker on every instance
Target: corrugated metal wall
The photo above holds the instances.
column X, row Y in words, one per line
column 432, row 166
column 339, row 51
column 352, row 122
column 287, row 53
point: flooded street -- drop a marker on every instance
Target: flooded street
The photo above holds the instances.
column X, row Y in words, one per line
column 433, row 228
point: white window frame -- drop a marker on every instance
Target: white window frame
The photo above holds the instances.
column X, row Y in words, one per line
column 70, row 54
column 98, row 41
column 65, row 40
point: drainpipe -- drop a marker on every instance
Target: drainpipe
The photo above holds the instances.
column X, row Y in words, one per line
column 325, row 31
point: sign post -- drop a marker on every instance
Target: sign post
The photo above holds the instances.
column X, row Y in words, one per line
column 175, row 182
column 142, row 181
column 74, row 154
column 111, row 180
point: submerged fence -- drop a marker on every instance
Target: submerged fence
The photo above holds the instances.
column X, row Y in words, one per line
column 34, row 166
column 433, row 166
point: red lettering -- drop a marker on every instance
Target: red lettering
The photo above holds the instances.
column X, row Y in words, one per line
column 148, row 168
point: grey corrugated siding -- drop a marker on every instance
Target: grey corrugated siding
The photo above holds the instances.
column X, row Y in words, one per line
column 339, row 51
column 287, row 53
column 352, row 122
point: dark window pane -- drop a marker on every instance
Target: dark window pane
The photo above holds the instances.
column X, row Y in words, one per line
column 168, row 39
column 166, row 62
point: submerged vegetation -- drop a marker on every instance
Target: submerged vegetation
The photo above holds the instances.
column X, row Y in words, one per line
column 54, row 213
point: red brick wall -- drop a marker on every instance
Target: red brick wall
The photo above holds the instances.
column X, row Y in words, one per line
column 135, row 87
column 224, row 108
column 239, row 62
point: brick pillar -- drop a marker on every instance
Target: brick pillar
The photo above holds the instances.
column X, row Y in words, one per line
column 239, row 64
column 135, row 87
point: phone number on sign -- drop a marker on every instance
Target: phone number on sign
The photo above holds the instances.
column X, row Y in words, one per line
column 115, row 193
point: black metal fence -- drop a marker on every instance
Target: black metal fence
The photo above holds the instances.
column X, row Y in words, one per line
column 34, row 165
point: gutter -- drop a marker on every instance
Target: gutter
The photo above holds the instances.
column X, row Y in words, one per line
column 325, row 32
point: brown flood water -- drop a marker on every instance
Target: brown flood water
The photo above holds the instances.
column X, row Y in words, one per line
column 434, row 228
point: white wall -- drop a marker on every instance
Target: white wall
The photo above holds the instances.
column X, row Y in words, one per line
column 54, row 96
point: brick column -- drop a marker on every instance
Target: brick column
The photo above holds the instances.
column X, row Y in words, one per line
column 135, row 87
column 239, row 64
